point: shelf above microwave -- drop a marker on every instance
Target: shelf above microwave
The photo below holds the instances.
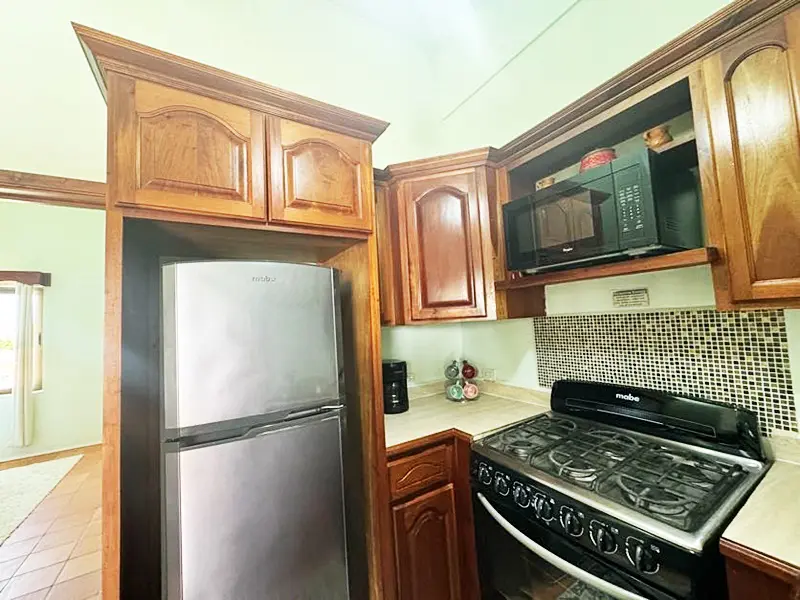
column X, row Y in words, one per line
column 685, row 258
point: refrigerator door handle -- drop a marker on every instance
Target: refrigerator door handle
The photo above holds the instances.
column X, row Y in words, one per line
column 293, row 416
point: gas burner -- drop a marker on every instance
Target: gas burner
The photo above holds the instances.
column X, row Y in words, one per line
column 521, row 448
column 611, row 444
column 571, row 467
column 652, row 499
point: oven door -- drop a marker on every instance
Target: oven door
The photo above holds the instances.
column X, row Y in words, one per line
column 573, row 221
column 521, row 560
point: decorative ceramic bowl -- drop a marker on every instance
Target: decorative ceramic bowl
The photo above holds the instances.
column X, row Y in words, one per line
column 657, row 136
column 598, row 157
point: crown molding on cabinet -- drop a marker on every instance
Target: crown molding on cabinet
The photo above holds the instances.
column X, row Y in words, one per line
column 734, row 20
column 62, row 191
column 106, row 52
column 478, row 157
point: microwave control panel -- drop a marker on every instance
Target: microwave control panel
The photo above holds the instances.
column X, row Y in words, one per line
column 629, row 202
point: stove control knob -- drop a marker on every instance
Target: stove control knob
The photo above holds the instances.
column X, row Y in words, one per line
column 501, row 484
column 571, row 522
column 644, row 559
column 604, row 539
column 484, row 474
column 521, row 495
column 543, row 508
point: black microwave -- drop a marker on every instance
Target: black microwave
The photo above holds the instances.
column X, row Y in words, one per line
column 640, row 204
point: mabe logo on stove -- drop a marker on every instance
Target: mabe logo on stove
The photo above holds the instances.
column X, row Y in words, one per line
column 264, row 279
column 630, row 397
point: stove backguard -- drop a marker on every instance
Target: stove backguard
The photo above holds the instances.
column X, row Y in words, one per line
column 694, row 421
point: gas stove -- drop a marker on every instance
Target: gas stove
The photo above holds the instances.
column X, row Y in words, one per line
column 643, row 481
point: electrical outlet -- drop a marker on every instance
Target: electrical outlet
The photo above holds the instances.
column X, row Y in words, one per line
column 489, row 375
column 410, row 377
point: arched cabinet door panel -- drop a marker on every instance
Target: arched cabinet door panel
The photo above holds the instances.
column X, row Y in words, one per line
column 444, row 244
column 319, row 177
column 753, row 94
column 426, row 547
column 180, row 152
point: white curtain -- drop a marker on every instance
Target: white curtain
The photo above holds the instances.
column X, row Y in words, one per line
column 22, row 385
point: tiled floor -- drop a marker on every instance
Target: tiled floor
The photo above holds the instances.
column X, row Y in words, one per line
column 55, row 553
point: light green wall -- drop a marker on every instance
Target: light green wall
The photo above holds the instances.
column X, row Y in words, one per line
column 69, row 244
column 427, row 349
column 318, row 48
column 505, row 346
column 591, row 43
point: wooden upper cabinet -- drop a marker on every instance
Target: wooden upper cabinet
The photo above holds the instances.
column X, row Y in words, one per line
column 445, row 245
column 386, row 232
column 426, row 547
column 753, row 94
column 319, row 177
column 177, row 151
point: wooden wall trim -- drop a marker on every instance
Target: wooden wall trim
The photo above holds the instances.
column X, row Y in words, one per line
column 62, row 191
column 106, row 52
column 27, row 277
column 760, row 562
column 732, row 21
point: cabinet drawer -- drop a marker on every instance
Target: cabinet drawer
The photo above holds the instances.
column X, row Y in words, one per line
column 412, row 474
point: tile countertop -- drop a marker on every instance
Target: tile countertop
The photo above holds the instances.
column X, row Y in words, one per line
column 435, row 413
column 770, row 521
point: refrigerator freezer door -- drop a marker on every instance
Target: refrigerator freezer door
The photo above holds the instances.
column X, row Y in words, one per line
column 243, row 339
column 259, row 518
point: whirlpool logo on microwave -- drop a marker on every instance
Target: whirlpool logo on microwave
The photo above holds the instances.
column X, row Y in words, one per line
column 629, row 397
column 264, row 279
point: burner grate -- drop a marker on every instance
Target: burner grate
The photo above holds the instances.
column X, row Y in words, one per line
column 533, row 436
column 679, row 488
column 585, row 456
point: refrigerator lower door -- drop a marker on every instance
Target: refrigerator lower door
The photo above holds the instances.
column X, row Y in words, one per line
column 258, row 517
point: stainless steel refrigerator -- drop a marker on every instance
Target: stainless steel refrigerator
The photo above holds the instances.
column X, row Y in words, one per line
column 252, row 430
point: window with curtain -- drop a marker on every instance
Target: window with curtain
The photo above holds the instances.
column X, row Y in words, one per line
column 8, row 336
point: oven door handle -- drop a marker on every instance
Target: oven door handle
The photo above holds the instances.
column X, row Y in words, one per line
column 557, row 561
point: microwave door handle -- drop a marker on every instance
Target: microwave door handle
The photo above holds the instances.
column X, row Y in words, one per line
column 557, row 561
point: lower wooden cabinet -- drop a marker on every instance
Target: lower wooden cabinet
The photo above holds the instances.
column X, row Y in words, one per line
column 426, row 546
column 432, row 522
column 753, row 575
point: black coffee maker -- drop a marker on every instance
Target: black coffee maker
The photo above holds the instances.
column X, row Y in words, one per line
column 395, row 392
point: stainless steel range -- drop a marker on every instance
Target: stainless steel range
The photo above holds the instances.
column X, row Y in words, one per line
column 623, row 491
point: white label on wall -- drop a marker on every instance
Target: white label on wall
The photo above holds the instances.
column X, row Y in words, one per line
column 634, row 298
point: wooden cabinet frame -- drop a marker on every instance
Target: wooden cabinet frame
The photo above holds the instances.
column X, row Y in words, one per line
column 116, row 63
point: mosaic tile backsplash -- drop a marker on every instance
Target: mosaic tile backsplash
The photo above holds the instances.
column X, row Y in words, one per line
column 738, row 358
